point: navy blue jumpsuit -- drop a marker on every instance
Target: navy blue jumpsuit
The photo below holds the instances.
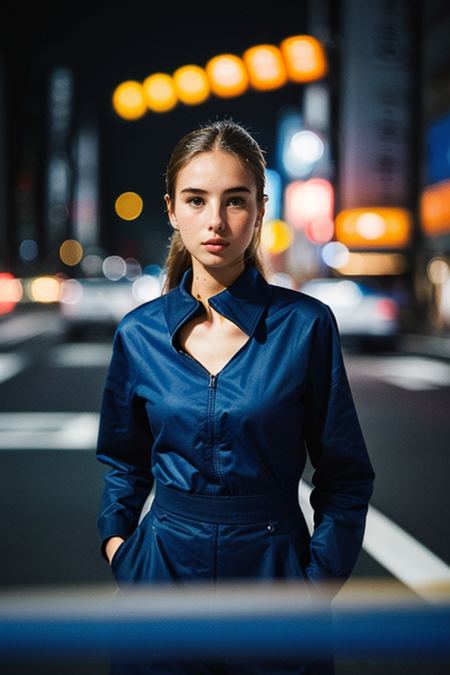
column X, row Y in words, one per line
column 226, row 452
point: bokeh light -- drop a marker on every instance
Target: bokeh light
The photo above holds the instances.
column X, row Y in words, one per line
column 374, row 264
column 133, row 269
column 71, row 292
column 129, row 205
column 227, row 75
column 438, row 270
column 335, row 255
column 191, row 84
column 114, row 268
column 320, row 230
column 11, row 292
column 378, row 226
column 45, row 289
column 371, row 226
column 146, row 288
column 304, row 57
column 71, row 252
column 276, row 236
column 129, row 100
column 307, row 146
column 265, row 67
column 28, row 250
column 159, row 92
column 308, row 201
column 92, row 265
column 273, row 190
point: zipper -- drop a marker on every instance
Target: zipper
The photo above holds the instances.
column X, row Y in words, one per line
column 211, row 410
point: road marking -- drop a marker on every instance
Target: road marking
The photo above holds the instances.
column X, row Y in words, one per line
column 11, row 365
column 48, row 431
column 82, row 355
column 414, row 373
column 397, row 551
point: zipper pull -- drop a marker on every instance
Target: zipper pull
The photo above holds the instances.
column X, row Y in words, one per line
column 212, row 381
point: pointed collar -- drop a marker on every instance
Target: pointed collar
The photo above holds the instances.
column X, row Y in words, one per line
column 243, row 302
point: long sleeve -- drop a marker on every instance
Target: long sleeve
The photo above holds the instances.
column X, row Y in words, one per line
column 343, row 476
column 124, row 443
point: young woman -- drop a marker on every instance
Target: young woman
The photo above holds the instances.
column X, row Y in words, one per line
column 217, row 391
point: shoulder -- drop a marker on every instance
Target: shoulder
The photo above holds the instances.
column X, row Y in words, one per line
column 298, row 303
column 148, row 314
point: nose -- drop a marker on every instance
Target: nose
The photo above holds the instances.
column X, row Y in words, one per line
column 216, row 223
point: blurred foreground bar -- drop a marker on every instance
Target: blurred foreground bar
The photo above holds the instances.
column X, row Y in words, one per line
column 245, row 621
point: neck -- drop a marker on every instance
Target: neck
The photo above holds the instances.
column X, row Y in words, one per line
column 206, row 282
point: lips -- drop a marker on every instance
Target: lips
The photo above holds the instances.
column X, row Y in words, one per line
column 215, row 245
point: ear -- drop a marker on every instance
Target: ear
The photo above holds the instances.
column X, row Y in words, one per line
column 261, row 213
column 170, row 212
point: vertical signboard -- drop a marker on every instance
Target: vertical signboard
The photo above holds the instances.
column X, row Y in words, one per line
column 59, row 169
column 375, row 124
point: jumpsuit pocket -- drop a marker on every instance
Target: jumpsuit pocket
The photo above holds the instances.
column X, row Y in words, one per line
column 129, row 560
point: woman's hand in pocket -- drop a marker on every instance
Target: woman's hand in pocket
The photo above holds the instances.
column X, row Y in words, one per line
column 112, row 547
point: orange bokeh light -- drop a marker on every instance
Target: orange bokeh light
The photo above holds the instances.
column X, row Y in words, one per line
column 227, row 75
column 304, row 57
column 265, row 67
column 373, row 227
column 191, row 84
column 159, row 92
column 435, row 208
column 129, row 100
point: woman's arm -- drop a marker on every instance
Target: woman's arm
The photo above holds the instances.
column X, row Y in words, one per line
column 125, row 444
column 111, row 547
column 343, row 477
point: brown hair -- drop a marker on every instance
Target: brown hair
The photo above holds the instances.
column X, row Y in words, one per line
column 225, row 136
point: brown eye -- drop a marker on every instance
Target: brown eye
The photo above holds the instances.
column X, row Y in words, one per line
column 195, row 201
column 236, row 201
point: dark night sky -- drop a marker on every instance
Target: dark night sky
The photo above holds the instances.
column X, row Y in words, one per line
column 106, row 43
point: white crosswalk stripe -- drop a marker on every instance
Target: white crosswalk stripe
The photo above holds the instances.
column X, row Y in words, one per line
column 414, row 373
column 48, row 431
column 82, row 355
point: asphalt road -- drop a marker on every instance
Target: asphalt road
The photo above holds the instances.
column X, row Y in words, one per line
column 50, row 482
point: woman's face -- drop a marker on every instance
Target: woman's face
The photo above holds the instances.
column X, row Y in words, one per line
column 216, row 210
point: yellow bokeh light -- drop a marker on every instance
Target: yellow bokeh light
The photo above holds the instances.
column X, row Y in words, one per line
column 265, row 67
column 304, row 57
column 129, row 100
column 191, row 84
column 227, row 75
column 45, row 289
column 160, row 93
column 71, row 252
column 374, row 264
column 276, row 236
column 129, row 205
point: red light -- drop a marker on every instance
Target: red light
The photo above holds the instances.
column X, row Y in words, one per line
column 10, row 292
column 309, row 207
column 387, row 308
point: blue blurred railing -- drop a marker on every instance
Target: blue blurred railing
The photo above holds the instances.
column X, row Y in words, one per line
column 251, row 621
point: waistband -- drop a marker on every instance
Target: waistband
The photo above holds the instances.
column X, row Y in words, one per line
column 231, row 509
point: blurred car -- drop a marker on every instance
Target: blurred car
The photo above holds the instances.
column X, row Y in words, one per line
column 366, row 317
column 98, row 305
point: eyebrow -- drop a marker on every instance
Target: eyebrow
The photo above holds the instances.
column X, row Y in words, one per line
column 200, row 191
